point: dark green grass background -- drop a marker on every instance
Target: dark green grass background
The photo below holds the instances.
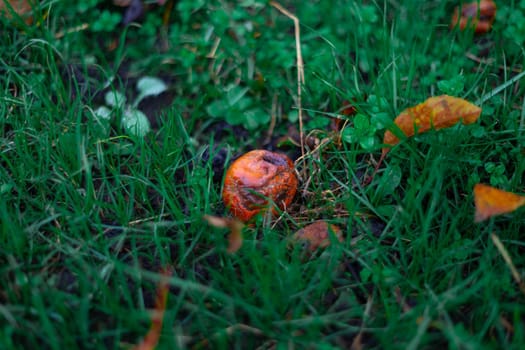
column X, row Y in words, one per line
column 88, row 219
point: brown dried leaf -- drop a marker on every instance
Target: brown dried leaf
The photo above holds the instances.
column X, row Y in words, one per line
column 152, row 337
column 317, row 234
column 235, row 226
column 490, row 202
column 348, row 109
column 436, row 112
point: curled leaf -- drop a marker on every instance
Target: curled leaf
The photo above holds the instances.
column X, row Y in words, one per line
column 235, row 226
column 436, row 112
column 491, row 201
column 317, row 234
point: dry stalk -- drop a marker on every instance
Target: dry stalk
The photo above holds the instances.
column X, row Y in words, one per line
column 68, row 31
column 273, row 121
column 505, row 254
column 300, row 67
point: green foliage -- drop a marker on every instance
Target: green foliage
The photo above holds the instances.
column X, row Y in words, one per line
column 511, row 22
column 365, row 128
column 106, row 21
column 453, row 86
column 85, row 6
column 361, row 132
column 497, row 174
column 238, row 109
column 89, row 216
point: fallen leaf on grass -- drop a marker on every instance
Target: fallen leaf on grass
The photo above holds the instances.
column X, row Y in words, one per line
column 235, row 226
column 436, row 112
column 152, row 337
column 491, row 201
column 317, row 234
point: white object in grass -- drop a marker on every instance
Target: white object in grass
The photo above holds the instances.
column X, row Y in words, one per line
column 149, row 86
column 135, row 123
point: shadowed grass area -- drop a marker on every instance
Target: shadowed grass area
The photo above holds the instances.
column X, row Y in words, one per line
column 90, row 215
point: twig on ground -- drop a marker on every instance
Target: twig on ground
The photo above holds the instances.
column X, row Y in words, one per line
column 490, row 62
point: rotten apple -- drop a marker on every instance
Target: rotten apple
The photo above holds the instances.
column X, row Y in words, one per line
column 259, row 180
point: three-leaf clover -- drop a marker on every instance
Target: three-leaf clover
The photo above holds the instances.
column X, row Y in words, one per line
column 361, row 132
column 237, row 108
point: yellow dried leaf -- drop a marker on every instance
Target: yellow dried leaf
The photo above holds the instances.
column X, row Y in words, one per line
column 490, row 201
column 436, row 112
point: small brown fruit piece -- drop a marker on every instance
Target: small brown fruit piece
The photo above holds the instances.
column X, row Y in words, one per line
column 21, row 7
column 480, row 17
column 317, row 234
column 255, row 178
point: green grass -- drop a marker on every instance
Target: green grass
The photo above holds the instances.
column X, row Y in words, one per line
column 88, row 219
